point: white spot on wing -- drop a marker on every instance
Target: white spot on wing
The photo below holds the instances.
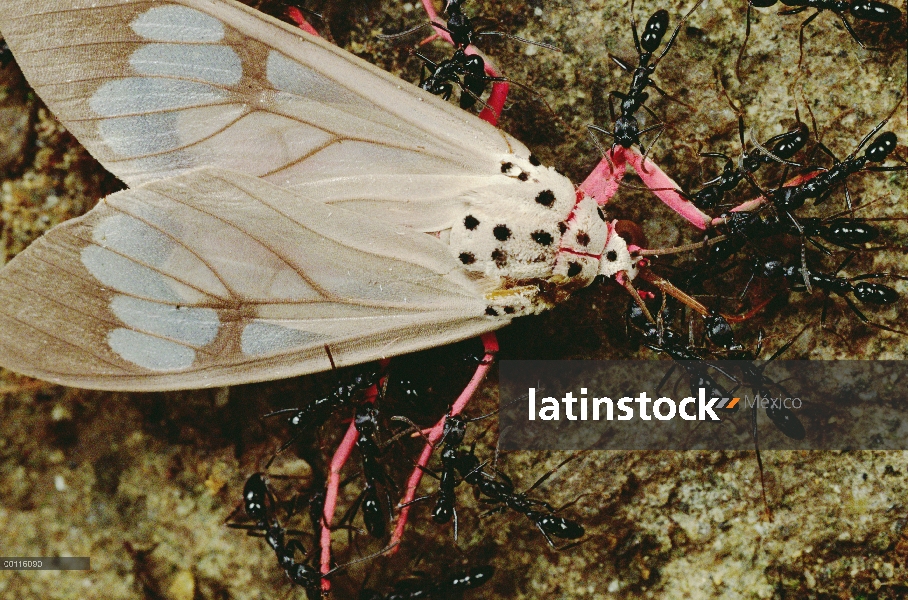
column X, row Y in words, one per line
column 134, row 238
column 141, row 135
column 178, row 24
column 136, row 95
column 212, row 63
column 261, row 337
column 127, row 276
column 193, row 326
column 150, row 352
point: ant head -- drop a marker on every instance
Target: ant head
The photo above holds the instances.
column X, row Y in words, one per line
column 454, row 430
column 452, row 7
column 719, row 332
column 366, row 418
column 881, row 147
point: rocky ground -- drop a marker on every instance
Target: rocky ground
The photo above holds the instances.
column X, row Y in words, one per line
column 143, row 483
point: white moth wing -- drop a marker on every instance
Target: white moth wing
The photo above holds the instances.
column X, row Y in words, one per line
column 153, row 89
column 216, row 278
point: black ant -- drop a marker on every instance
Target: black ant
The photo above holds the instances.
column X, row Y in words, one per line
column 366, row 422
column 627, row 130
column 716, row 326
column 662, row 339
column 781, row 147
column 450, row 586
column 453, row 434
column 866, row 292
column 467, row 71
column 845, row 232
column 500, row 491
column 790, row 198
column 318, row 411
column 866, row 10
column 260, row 503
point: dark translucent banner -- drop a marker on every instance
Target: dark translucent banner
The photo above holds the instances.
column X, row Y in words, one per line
column 698, row 405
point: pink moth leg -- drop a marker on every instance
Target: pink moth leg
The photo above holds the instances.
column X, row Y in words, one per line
column 666, row 189
column 297, row 16
column 490, row 345
column 602, row 182
column 341, row 455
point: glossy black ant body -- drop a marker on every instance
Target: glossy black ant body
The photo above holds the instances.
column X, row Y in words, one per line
column 450, row 586
column 467, row 71
column 260, row 504
column 317, row 412
column 366, row 422
column 453, row 434
column 865, row 10
column 663, row 339
column 463, row 32
column 865, row 292
column 627, row 130
column 743, row 226
column 781, row 147
column 791, row 198
column 500, row 491
column 301, row 574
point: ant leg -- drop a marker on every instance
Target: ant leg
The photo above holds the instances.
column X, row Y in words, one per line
column 636, row 38
column 801, row 35
column 551, row 472
column 867, row 321
column 661, row 128
column 296, row 545
column 668, row 96
column 825, row 150
column 671, row 40
column 848, row 202
column 624, row 66
column 611, row 104
column 886, row 169
column 743, row 45
column 850, row 30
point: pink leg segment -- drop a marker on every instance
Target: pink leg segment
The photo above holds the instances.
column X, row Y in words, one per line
column 337, row 463
column 492, row 112
column 758, row 202
column 666, row 189
column 490, row 345
column 602, row 183
column 297, row 16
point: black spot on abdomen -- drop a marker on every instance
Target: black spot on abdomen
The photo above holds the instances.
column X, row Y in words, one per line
column 546, row 198
column 543, row 238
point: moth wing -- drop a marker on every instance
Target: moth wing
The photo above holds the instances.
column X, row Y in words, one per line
column 156, row 89
column 217, row 278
